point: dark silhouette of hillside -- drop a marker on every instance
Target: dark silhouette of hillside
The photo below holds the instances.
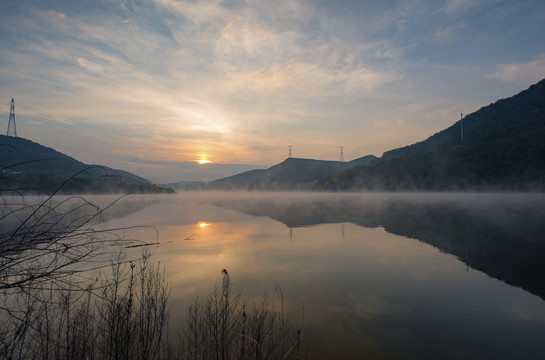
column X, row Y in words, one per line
column 503, row 148
column 26, row 166
column 291, row 174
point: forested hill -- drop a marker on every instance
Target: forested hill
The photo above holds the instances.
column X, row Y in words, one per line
column 503, row 148
column 26, row 166
column 291, row 174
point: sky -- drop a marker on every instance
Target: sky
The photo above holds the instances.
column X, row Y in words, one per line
column 154, row 86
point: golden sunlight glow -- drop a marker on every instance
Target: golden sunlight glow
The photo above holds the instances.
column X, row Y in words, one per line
column 203, row 225
column 202, row 159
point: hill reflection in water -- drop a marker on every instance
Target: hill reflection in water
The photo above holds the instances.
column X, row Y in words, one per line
column 358, row 268
column 499, row 234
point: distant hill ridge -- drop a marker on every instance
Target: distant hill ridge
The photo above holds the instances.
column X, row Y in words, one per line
column 28, row 166
column 503, row 148
column 291, row 174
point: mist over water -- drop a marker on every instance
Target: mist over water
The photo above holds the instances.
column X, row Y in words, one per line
column 370, row 275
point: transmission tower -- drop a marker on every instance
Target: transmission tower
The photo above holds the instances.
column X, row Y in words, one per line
column 462, row 126
column 289, row 150
column 12, row 129
column 342, row 155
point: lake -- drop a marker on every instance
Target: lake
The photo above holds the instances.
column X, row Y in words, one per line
column 368, row 276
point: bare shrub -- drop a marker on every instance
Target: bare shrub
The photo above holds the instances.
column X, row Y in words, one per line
column 66, row 294
column 121, row 315
column 51, row 249
column 223, row 327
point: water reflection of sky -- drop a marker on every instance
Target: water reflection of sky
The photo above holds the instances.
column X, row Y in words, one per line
column 361, row 292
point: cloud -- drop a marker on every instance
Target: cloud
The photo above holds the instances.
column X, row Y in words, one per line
column 90, row 66
column 251, row 55
column 242, row 38
column 362, row 78
column 243, row 79
column 459, row 6
column 448, row 33
column 452, row 6
column 263, row 47
column 50, row 17
column 521, row 73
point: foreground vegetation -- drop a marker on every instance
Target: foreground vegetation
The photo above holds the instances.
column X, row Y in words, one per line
column 70, row 290
column 124, row 315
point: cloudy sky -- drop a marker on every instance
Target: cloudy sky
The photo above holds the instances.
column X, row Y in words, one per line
column 152, row 86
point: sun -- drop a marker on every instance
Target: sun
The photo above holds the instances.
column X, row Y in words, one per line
column 202, row 158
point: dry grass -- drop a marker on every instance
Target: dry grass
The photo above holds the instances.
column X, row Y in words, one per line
column 67, row 295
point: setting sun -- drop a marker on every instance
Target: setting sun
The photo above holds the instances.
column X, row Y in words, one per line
column 203, row 161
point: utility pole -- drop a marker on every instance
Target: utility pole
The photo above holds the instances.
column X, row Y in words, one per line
column 342, row 155
column 12, row 129
column 462, row 126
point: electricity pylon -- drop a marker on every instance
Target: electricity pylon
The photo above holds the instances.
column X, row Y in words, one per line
column 12, row 129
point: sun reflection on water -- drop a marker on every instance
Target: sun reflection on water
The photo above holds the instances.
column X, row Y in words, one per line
column 203, row 225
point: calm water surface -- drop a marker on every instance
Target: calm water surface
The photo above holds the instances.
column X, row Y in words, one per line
column 371, row 276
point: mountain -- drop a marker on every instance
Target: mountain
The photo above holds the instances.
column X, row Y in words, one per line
column 502, row 148
column 26, row 166
column 291, row 174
